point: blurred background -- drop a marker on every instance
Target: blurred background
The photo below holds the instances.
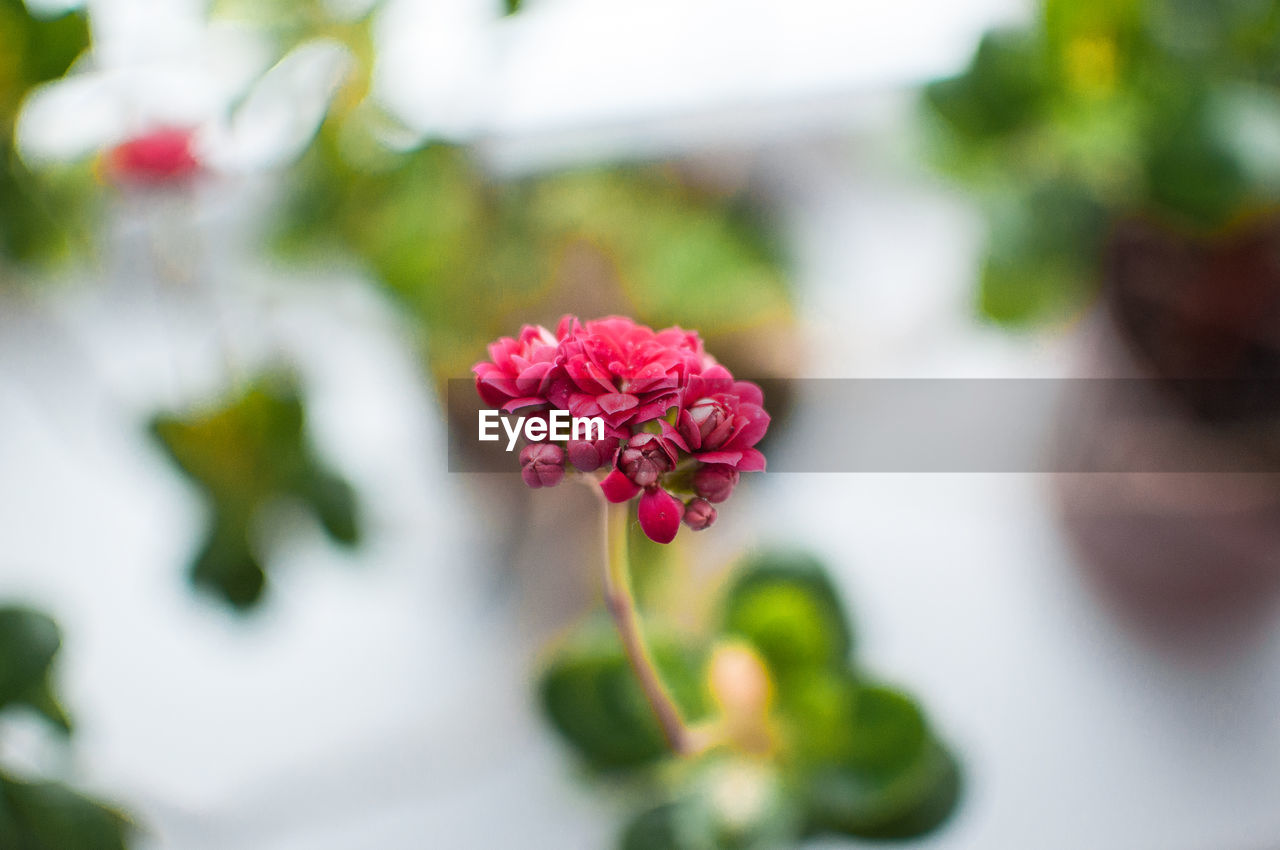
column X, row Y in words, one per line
column 244, row 247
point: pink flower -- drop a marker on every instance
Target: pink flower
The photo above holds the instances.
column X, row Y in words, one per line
column 518, row 371
column 621, row 371
column 675, row 419
column 721, row 420
column 161, row 156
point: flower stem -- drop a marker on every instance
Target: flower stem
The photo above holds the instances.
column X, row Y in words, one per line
column 622, row 607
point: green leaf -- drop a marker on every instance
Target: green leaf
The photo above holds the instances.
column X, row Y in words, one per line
column 591, row 696
column 787, row 607
column 37, row 216
column 334, row 502
column 816, row 705
column 227, row 565
column 679, row 825
column 29, row 641
column 34, row 50
column 888, row 777
column 49, row 816
column 1191, row 170
column 1043, row 255
column 911, row 800
column 244, row 456
column 1004, row 89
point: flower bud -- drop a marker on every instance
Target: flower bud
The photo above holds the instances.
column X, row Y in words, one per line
column 645, row 457
column 542, row 464
column 590, row 455
column 715, row 481
column 698, row 514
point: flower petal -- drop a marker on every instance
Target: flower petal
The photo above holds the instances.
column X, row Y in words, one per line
column 614, row 403
column 731, row 458
column 752, row 461
column 618, row 487
column 660, row 514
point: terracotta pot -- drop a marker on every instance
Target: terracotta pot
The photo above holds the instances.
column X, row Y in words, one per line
column 1183, row 535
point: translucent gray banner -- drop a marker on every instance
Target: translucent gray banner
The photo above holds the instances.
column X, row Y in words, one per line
column 982, row 425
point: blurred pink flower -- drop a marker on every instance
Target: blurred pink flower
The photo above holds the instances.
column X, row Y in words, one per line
column 161, row 156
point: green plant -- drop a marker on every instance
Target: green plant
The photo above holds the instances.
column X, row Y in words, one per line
column 795, row 738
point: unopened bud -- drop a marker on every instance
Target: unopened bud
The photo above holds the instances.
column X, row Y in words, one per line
column 590, row 455
column 715, row 481
column 542, row 464
column 645, row 457
column 699, row 514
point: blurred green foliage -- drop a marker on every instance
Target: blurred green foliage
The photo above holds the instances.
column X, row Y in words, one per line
column 838, row 752
column 38, row 214
column 1105, row 110
column 593, row 698
column 28, row 643
column 471, row 257
column 43, row 815
column 245, row 457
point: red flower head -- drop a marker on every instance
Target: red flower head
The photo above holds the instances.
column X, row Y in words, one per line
column 721, row 420
column 632, row 377
column 161, row 156
column 623, row 372
column 518, row 373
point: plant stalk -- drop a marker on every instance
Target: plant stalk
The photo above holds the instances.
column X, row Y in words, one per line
column 621, row 603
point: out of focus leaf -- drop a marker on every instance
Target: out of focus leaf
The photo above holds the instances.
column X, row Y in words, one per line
column 905, row 800
column 817, row 705
column 43, row 815
column 29, row 641
column 679, row 825
column 243, row 457
column 591, row 696
column 727, row 804
column 36, row 216
column 786, row 606
column 884, row 774
column 1004, row 89
column 1192, row 172
column 49, row 816
column 34, row 50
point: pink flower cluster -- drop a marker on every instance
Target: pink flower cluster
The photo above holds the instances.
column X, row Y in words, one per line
column 678, row 424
